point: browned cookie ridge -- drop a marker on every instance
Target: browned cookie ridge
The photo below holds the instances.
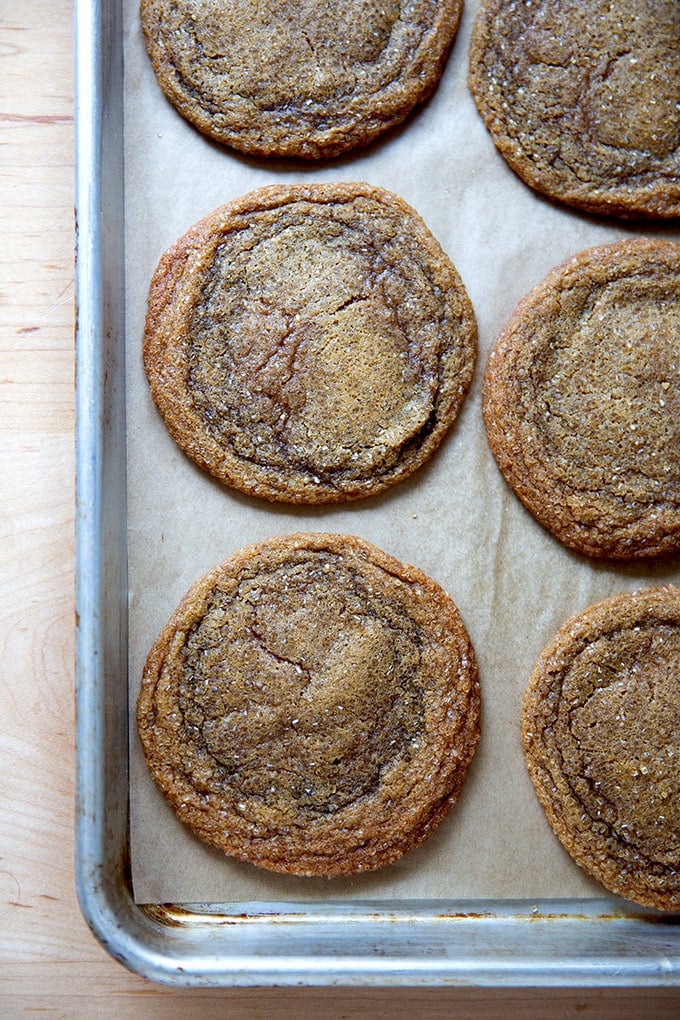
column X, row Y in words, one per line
column 581, row 400
column 312, row 706
column 582, row 98
column 600, row 726
column 309, row 343
column 308, row 79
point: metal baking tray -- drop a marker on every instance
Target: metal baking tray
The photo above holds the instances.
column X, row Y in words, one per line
column 411, row 944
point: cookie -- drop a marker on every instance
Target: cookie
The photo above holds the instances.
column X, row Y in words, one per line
column 312, row 706
column 600, row 724
column 309, row 343
column 307, row 80
column 581, row 400
column 582, row 98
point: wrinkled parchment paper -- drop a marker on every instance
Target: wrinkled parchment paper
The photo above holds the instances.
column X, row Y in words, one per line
column 455, row 519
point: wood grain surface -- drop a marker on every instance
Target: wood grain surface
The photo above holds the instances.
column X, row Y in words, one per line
column 49, row 962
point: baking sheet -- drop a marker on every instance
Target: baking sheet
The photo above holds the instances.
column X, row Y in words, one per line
column 455, row 519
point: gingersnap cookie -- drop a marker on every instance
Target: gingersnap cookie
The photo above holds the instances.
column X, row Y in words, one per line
column 312, row 706
column 309, row 343
column 581, row 400
column 600, row 725
column 308, row 79
column 582, row 99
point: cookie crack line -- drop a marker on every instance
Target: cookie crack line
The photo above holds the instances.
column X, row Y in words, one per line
column 312, row 49
column 611, row 63
column 277, row 656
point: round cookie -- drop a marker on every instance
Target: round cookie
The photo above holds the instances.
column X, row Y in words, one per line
column 309, row 343
column 311, row 79
column 312, row 706
column 581, row 400
column 600, row 724
column 582, row 99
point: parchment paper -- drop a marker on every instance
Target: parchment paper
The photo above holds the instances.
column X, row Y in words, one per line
column 455, row 519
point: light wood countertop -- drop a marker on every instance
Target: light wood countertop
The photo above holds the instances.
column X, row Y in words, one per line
column 49, row 961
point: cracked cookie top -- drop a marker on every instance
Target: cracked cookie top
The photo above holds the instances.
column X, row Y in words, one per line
column 583, row 99
column 600, row 724
column 581, row 400
column 312, row 706
column 309, row 344
column 308, row 79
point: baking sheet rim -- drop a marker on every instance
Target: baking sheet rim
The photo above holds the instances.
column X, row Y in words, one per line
column 202, row 945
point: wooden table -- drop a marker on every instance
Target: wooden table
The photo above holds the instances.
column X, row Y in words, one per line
column 49, row 961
